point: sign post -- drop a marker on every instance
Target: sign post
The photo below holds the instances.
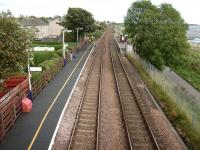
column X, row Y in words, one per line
column 29, row 82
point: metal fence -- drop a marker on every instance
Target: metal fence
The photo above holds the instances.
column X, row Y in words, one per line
column 182, row 99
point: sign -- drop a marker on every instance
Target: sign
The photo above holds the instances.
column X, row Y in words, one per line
column 35, row 68
column 43, row 48
column 129, row 48
column 66, row 45
column 69, row 31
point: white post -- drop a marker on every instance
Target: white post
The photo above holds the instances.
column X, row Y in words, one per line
column 64, row 48
column 77, row 37
column 29, row 77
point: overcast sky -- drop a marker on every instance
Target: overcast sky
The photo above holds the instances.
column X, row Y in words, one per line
column 111, row 10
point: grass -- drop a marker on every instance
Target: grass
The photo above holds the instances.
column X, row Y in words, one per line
column 46, row 65
column 47, row 60
column 190, row 71
column 189, row 75
column 40, row 57
column 178, row 117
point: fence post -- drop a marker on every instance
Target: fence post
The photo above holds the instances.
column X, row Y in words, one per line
column 193, row 118
column 2, row 125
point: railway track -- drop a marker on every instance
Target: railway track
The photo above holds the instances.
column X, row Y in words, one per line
column 139, row 133
column 86, row 127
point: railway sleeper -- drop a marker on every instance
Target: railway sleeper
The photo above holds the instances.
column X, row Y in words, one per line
column 83, row 146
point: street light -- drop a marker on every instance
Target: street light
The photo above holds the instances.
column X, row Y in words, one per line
column 64, row 57
column 77, row 33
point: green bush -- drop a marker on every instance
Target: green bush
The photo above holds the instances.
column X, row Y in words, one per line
column 39, row 57
column 35, row 75
column 178, row 118
column 39, row 43
column 96, row 34
column 46, row 65
column 190, row 69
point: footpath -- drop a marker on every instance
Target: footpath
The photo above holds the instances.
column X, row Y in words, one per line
column 34, row 130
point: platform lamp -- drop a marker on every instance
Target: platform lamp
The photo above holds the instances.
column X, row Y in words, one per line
column 77, row 33
column 64, row 57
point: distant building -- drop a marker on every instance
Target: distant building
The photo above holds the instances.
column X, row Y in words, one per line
column 37, row 25
column 193, row 31
column 42, row 29
column 54, row 27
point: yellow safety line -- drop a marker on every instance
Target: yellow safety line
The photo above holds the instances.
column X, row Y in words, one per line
column 47, row 112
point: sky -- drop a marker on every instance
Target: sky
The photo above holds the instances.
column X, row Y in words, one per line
column 108, row 10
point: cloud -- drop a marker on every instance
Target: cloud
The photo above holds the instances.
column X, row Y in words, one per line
column 111, row 10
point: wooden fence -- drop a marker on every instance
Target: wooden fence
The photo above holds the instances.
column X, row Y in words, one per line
column 10, row 107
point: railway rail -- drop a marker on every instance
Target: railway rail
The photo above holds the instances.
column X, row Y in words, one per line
column 86, row 127
column 85, row 133
column 139, row 133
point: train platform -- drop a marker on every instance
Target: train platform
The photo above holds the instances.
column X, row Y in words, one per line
column 34, row 130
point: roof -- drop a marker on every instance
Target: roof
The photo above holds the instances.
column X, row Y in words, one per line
column 29, row 21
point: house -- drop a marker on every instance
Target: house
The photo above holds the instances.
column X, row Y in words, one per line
column 42, row 28
column 55, row 28
column 37, row 25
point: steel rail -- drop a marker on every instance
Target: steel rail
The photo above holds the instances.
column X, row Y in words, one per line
column 137, row 102
column 99, row 102
column 122, row 108
column 82, row 99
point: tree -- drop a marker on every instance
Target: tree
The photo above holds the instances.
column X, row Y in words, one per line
column 78, row 18
column 174, row 30
column 159, row 34
column 14, row 41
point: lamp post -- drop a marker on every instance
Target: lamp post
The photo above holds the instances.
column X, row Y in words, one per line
column 64, row 57
column 77, row 33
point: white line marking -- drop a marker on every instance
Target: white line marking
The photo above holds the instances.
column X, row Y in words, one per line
column 61, row 116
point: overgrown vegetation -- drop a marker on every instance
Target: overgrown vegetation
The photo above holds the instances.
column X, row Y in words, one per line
column 158, row 33
column 40, row 57
column 45, row 60
column 190, row 69
column 178, row 118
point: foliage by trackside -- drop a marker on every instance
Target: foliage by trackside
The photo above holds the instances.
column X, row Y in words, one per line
column 158, row 33
column 78, row 18
column 14, row 42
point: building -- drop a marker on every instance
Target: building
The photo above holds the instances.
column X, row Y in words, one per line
column 41, row 28
column 193, row 31
column 54, row 28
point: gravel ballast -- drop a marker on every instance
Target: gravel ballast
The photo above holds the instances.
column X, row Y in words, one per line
column 112, row 131
column 64, row 132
